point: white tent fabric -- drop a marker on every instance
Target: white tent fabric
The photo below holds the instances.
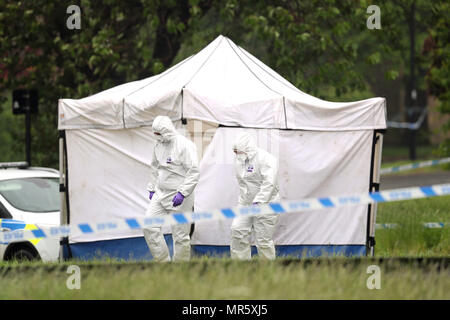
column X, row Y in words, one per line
column 312, row 165
column 108, row 176
column 325, row 151
column 222, row 84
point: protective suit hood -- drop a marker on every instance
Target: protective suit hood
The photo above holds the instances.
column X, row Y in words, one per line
column 164, row 126
column 244, row 142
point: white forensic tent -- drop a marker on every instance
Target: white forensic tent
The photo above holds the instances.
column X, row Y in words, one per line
column 324, row 148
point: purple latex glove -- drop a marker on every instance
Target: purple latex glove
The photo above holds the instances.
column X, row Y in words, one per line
column 150, row 196
column 178, row 199
column 256, row 203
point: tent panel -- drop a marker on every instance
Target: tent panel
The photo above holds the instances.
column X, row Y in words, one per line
column 100, row 189
column 323, row 115
column 168, row 104
column 225, row 77
column 260, row 114
column 312, row 164
column 108, row 175
column 101, row 110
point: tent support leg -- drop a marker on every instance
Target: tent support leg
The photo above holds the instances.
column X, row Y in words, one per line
column 63, row 191
column 377, row 144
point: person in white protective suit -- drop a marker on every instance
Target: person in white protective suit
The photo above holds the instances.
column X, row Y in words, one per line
column 174, row 176
column 257, row 175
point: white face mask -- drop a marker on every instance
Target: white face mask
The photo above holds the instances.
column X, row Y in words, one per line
column 241, row 157
column 159, row 137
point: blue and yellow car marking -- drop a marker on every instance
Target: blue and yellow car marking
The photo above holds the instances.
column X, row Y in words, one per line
column 17, row 225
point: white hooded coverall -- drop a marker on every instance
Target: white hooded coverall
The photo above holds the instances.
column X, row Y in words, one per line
column 174, row 168
column 257, row 175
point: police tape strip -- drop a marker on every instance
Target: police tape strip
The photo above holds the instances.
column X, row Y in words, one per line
column 409, row 125
column 415, row 165
column 228, row 213
column 426, row 225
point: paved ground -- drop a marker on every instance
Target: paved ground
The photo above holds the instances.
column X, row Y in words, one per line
column 393, row 181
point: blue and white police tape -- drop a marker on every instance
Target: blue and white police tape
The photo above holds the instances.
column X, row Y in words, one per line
column 426, row 225
column 415, row 165
column 409, row 125
column 228, row 213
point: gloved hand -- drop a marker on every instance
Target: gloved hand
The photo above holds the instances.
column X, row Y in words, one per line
column 178, row 199
column 256, row 203
column 150, row 196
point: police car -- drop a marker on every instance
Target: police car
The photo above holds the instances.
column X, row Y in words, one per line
column 29, row 199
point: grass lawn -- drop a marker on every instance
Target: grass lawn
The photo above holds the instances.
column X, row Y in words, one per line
column 411, row 238
column 214, row 278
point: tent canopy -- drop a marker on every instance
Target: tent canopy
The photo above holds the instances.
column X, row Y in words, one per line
column 222, row 84
column 331, row 151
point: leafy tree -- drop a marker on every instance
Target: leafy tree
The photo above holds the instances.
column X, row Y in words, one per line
column 437, row 49
column 119, row 41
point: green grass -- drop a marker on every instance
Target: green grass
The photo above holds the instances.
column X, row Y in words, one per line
column 213, row 278
column 410, row 238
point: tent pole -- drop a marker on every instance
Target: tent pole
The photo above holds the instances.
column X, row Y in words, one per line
column 377, row 143
column 62, row 191
column 183, row 120
column 376, row 179
column 369, row 240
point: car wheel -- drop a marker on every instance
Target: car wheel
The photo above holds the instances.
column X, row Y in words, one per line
column 23, row 255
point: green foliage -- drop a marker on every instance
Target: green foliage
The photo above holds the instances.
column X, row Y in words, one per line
column 310, row 42
column 438, row 51
column 117, row 43
column 12, row 132
column 392, row 74
column 374, row 58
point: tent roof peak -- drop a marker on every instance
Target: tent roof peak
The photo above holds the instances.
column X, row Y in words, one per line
column 222, row 83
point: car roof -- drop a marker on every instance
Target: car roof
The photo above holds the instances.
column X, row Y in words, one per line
column 13, row 173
